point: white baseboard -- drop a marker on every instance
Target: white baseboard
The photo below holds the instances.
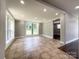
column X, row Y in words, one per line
column 19, row 37
column 61, row 42
column 68, row 41
column 71, row 40
column 9, row 43
column 47, row 36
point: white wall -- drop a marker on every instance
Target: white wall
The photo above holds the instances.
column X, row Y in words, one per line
column 71, row 28
column 78, row 27
column 48, row 29
column 40, row 28
column 2, row 29
column 19, row 28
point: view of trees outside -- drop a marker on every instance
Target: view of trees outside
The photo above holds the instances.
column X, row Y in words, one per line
column 32, row 28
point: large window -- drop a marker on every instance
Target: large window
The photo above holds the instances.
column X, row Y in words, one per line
column 9, row 28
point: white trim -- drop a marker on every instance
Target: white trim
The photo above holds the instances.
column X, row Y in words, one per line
column 19, row 37
column 71, row 40
column 61, row 42
column 47, row 36
column 9, row 43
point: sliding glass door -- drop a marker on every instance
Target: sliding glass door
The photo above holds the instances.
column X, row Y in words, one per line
column 28, row 28
column 35, row 29
column 32, row 28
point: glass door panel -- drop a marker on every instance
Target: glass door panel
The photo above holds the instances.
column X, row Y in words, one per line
column 35, row 28
column 32, row 28
column 28, row 28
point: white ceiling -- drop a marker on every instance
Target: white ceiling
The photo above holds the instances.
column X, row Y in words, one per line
column 66, row 5
column 30, row 10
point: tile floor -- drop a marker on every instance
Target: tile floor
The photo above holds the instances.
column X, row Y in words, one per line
column 37, row 47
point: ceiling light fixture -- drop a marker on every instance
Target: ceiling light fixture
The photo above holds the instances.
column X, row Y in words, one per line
column 22, row 15
column 56, row 13
column 77, row 7
column 22, row 2
column 44, row 9
column 35, row 17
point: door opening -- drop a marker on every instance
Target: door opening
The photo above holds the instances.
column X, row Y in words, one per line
column 32, row 28
column 57, row 27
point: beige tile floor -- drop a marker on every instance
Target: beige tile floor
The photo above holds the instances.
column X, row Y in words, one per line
column 36, row 48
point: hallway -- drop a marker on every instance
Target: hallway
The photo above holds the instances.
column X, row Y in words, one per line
column 36, row 47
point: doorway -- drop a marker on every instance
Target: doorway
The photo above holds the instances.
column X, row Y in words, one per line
column 57, row 27
column 32, row 28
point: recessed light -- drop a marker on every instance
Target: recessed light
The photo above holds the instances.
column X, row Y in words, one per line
column 22, row 2
column 35, row 17
column 56, row 13
column 44, row 9
column 22, row 15
column 77, row 7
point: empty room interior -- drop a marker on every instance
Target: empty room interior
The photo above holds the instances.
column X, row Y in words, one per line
column 39, row 29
